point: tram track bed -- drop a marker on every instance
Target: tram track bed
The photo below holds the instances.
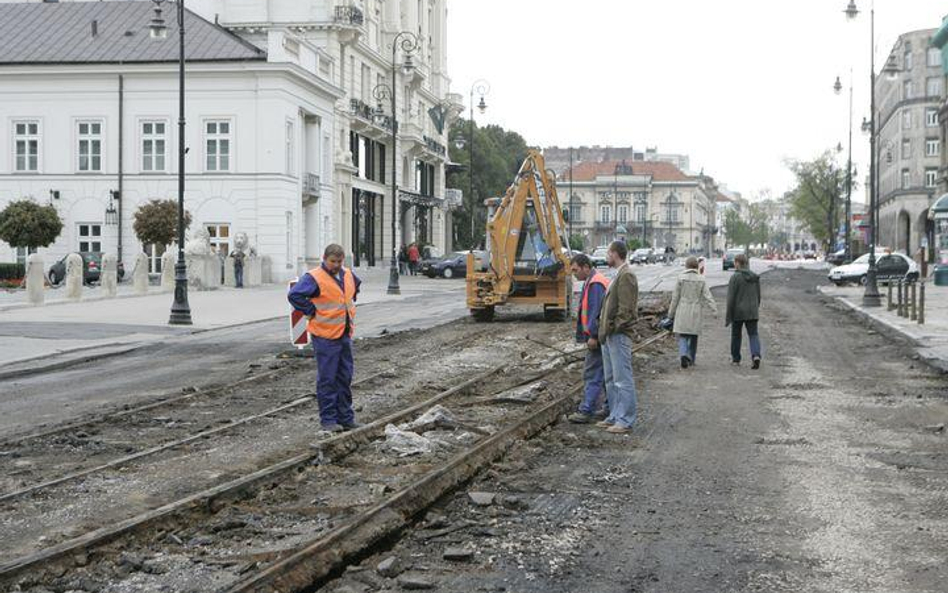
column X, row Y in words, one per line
column 216, row 513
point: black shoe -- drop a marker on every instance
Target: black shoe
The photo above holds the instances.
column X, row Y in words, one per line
column 685, row 362
column 334, row 428
column 580, row 418
column 350, row 426
column 756, row 364
column 736, row 363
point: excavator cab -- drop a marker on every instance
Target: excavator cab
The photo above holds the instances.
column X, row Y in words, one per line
column 528, row 253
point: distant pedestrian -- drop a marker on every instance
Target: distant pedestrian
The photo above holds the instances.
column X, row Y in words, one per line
column 238, row 256
column 616, row 324
column 587, row 332
column 702, row 265
column 327, row 296
column 689, row 299
column 414, row 257
column 743, row 310
column 403, row 260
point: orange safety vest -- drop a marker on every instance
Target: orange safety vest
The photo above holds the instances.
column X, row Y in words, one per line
column 332, row 305
column 596, row 278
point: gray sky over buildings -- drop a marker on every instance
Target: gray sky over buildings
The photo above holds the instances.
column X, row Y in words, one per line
column 740, row 85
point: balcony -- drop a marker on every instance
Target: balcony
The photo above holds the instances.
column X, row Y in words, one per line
column 311, row 185
column 413, row 198
column 366, row 113
column 349, row 15
column 436, row 147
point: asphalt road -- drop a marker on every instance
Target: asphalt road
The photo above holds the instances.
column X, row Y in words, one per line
column 824, row 471
column 180, row 361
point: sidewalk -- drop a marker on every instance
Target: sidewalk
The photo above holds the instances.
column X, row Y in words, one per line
column 103, row 327
column 931, row 339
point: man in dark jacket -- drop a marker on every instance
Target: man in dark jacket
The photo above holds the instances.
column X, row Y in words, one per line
column 743, row 309
column 587, row 332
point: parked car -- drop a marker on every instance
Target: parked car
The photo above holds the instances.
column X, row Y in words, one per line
column 453, row 265
column 891, row 266
column 598, row 257
column 728, row 262
column 809, row 255
column 837, row 258
column 91, row 264
column 643, row 255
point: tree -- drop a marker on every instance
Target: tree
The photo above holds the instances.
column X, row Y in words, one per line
column 157, row 222
column 758, row 224
column 737, row 231
column 498, row 154
column 25, row 223
column 817, row 199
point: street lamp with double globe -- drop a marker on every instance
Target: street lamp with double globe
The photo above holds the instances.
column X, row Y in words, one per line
column 180, row 309
column 480, row 87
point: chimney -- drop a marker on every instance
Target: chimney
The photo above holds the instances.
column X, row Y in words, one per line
column 95, row 28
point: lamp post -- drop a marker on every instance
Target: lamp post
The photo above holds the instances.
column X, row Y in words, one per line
column 482, row 88
column 408, row 42
column 847, row 225
column 871, row 296
column 570, row 238
column 180, row 309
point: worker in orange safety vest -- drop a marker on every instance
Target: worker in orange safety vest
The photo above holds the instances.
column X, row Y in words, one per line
column 327, row 296
column 587, row 331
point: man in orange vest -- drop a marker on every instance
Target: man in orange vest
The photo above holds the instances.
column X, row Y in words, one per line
column 327, row 295
column 587, row 331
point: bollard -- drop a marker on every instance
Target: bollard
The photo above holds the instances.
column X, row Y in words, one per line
column 921, row 304
column 900, row 309
column 889, row 306
column 35, row 279
column 914, row 311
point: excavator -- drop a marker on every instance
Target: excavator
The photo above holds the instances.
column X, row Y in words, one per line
column 528, row 254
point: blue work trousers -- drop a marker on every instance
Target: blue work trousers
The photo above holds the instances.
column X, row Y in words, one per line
column 334, row 380
column 620, row 383
column 594, row 381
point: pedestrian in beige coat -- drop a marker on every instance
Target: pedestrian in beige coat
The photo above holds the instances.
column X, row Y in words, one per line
column 690, row 298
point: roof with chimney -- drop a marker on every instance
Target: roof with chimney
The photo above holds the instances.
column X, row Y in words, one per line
column 110, row 33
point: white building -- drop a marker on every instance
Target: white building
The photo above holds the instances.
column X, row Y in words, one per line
column 284, row 141
column 90, row 113
column 355, row 39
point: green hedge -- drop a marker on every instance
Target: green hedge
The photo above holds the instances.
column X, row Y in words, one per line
column 12, row 271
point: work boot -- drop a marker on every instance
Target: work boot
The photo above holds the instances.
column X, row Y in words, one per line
column 616, row 429
column 347, row 426
column 604, row 424
column 580, row 418
column 334, row 428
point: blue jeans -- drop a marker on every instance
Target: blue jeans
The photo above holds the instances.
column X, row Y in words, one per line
column 594, row 382
column 688, row 346
column 239, row 276
column 334, row 380
column 620, row 383
column 752, row 336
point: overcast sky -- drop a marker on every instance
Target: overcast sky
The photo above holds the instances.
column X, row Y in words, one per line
column 739, row 85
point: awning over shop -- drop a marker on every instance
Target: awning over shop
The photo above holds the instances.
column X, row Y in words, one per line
column 940, row 209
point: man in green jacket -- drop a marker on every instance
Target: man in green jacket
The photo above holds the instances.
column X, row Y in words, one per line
column 616, row 322
column 743, row 310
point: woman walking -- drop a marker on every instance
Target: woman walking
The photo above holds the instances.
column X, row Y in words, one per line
column 689, row 299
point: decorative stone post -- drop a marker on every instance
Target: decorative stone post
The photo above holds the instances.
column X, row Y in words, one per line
column 167, row 270
column 140, row 275
column 74, row 272
column 109, row 275
column 35, row 279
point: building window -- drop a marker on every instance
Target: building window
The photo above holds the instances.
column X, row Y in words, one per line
column 154, row 252
column 90, row 146
column 26, row 145
column 933, row 86
column 906, row 149
column 907, row 90
column 908, row 60
column 290, row 148
column 932, row 147
column 639, row 211
column 906, row 179
column 217, row 143
column 934, row 57
column 931, row 118
column 90, row 237
column 154, row 143
column 220, row 238
column 906, row 119
column 931, row 177
column 622, row 212
column 605, row 213
column 576, row 212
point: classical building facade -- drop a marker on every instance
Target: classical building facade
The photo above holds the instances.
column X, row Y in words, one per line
column 89, row 123
column 910, row 141
column 654, row 201
column 354, row 40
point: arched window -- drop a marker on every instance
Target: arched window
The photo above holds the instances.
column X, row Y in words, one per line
column 605, row 213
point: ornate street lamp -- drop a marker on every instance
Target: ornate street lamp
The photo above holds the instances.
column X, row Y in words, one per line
column 847, row 225
column 482, row 88
column 872, row 297
column 180, row 309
